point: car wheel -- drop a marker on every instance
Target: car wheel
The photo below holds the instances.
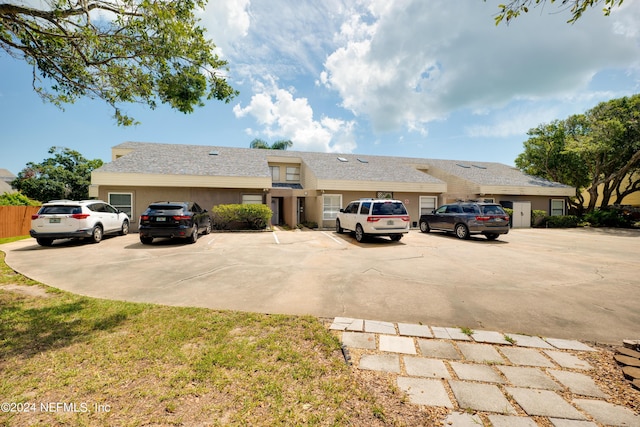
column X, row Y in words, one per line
column 339, row 228
column 396, row 237
column 462, row 232
column 96, row 234
column 492, row 236
column 44, row 242
column 194, row 235
column 207, row 230
column 424, row 227
column 125, row 228
column 359, row 233
column 146, row 240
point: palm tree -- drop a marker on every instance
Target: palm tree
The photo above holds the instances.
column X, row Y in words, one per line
column 278, row 145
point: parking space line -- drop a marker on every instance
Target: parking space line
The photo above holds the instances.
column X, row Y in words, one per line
column 331, row 237
column 275, row 236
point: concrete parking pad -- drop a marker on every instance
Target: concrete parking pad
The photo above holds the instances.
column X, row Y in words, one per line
column 475, row 372
column 607, row 413
column 481, row 353
column 481, row 397
column 359, row 340
column 423, row 367
column 380, row 362
column 396, row 344
column 561, row 422
column 511, row 421
column 490, row 337
column 413, row 330
column 544, row 403
column 438, row 349
column 526, row 357
column 567, row 360
column 578, row 383
column 424, row 391
column 528, row 377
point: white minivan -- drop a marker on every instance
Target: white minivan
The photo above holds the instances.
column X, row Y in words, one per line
column 379, row 217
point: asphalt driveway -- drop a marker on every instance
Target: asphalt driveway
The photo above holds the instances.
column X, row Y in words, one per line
column 574, row 283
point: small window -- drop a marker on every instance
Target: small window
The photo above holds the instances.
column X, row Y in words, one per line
column 557, row 207
column 275, row 173
column 331, row 206
column 252, row 199
column 342, row 159
column 293, row 173
column 123, row 202
column 366, row 208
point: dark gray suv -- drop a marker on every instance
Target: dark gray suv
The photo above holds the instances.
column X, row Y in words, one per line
column 467, row 218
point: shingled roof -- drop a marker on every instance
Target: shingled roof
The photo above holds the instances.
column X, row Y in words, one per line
column 198, row 160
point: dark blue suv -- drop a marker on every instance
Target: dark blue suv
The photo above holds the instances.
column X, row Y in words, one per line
column 467, row 218
column 184, row 220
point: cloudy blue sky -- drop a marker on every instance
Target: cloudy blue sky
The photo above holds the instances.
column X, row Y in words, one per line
column 411, row 78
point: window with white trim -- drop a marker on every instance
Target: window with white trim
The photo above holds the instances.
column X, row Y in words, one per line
column 557, row 207
column 428, row 204
column 293, row 173
column 275, row 173
column 331, row 204
column 252, row 199
column 123, row 202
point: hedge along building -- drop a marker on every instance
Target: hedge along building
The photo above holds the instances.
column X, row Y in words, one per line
column 305, row 187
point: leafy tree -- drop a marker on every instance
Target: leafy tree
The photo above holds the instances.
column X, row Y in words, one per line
column 598, row 151
column 65, row 175
column 513, row 9
column 278, row 145
column 120, row 51
column 16, row 199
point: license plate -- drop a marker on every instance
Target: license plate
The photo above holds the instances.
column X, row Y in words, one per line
column 390, row 222
column 161, row 219
column 54, row 220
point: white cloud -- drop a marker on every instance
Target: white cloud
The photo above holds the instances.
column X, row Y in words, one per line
column 282, row 116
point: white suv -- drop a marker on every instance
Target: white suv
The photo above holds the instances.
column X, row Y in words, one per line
column 67, row 219
column 380, row 217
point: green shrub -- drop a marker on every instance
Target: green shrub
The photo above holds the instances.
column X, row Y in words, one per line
column 240, row 217
column 606, row 218
column 565, row 221
column 17, row 199
column 537, row 217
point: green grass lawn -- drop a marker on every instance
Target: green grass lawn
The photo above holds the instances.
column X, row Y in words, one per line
column 77, row 361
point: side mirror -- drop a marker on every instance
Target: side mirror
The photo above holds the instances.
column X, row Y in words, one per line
column 342, row 210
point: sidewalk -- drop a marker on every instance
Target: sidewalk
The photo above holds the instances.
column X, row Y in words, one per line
column 486, row 377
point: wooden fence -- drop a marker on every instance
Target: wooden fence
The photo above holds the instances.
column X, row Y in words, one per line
column 16, row 220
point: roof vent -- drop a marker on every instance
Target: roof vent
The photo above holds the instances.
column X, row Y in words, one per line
column 479, row 167
column 213, row 153
column 463, row 166
column 363, row 160
column 342, row 159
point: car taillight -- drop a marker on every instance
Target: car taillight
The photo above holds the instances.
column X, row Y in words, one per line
column 378, row 218
column 482, row 218
column 373, row 218
column 181, row 217
column 144, row 217
column 36, row 216
column 80, row 216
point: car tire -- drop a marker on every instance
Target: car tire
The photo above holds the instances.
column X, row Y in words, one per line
column 124, row 230
column 207, row 229
column 339, row 228
column 359, row 233
column 396, row 237
column 491, row 236
column 424, row 227
column 44, row 242
column 146, row 240
column 96, row 234
column 194, row 235
column 462, row 232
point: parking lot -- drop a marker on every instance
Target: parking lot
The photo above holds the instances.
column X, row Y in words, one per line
column 572, row 283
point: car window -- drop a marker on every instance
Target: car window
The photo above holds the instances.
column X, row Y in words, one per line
column 389, row 208
column 352, row 208
column 196, row 208
column 453, row 209
column 64, row 210
column 366, row 208
column 492, row 210
column 110, row 209
column 470, row 209
column 442, row 209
